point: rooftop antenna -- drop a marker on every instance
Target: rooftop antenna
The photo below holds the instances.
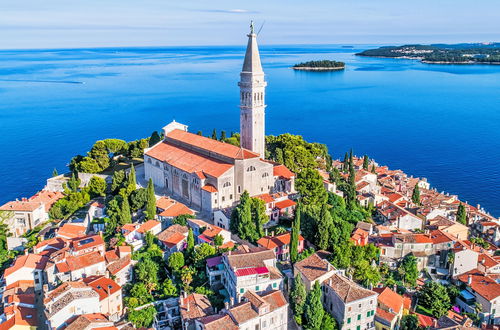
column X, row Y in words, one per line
column 261, row 27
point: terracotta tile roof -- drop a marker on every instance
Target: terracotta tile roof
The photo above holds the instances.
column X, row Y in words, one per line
column 487, row 261
column 85, row 260
column 21, row 285
column 271, row 242
column 267, row 198
column 347, row 290
column 391, row 299
column 413, row 238
column 69, row 230
column 218, row 322
column 172, row 208
column 20, row 206
column 102, row 285
column 210, row 188
column 194, row 306
column 275, row 299
column 187, row 160
column 56, row 242
column 438, row 237
column 173, row 235
column 314, row 266
column 284, row 204
column 62, row 289
column 283, row 171
column 483, row 285
column 111, row 256
column 147, row 226
column 424, row 320
column 31, row 261
column 48, row 198
column 255, row 299
column 87, row 242
column 20, row 316
column 243, row 312
column 89, row 321
column 173, row 240
column 117, row 266
column 254, row 258
column 386, row 315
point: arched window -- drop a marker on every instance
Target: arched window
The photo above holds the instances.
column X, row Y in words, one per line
column 149, row 160
column 251, row 168
column 157, row 163
column 227, row 184
column 265, row 175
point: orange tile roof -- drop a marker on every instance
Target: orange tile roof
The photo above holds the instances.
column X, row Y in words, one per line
column 130, row 227
column 210, row 188
column 85, row 260
column 187, row 160
column 195, row 306
column 391, row 299
column 483, row 285
column 173, row 240
column 172, row 208
column 211, row 145
column 32, row 261
column 71, row 231
column 218, row 321
column 266, row 198
column 284, row 204
column 275, row 299
column 386, row 315
column 87, row 242
column 47, row 197
column 20, row 206
column 56, row 242
column 22, row 284
column 315, row 265
column 487, row 261
column 22, row 316
column 283, row 171
column 118, row 265
column 102, row 285
column 147, row 226
column 272, row 242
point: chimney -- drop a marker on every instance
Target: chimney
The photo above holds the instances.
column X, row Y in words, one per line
column 226, row 305
column 330, row 281
column 231, row 301
column 469, row 280
column 272, row 233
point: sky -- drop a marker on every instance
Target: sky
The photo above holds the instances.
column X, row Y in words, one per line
column 26, row 24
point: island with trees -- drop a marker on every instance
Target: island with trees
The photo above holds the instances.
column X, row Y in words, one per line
column 475, row 53
column 323, row 65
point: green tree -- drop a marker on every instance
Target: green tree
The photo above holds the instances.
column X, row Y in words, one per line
column 310, row 186
column 328, row 322
column 190, row 242
column 126, row 216
column 434, row 297
column 138, row 199
column 345, row 163
column 409, row 322
column 298, row 298
column 150, row 239
column 259, row 216
column 187, row 277
column 97, row 186
column 151, row 201
column 140, row 292
column 142, row 318
column 218, row 240
column 294, row 240
column 366, row 162
column 99, row 152
column 131, row 180
column 461, row 214
column 409, row 270
column 182, row 219
column 241, row 219
column 118, row 180
column 373, row 170
column 147, row 272
column 223, row 136
column 415, row 197
column 202, row 252
column 325, row 224
column 176, row 261
column 54, row 172
column 169, row 289
column 314, row 311
column 88, row 165
column 214, row 134
column 74, row 183
column 200, row 133
column 154, row 139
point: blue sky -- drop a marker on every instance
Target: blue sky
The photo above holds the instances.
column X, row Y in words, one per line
column 108, row 23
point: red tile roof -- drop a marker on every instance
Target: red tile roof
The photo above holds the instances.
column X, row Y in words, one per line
column 210, row 188
column 252, row 271
column 69, row 230
column 172, row 208
column 102, row 285
column 47, row 197
column 283, row 171
column 87, row 242
column 284, row 204
column 391, row 300
column 21, row 206
column 266, row 198
column 485, row 286
column 31, row 261
column 118, row 265
column 386, row 315
column 147, row 226
column 195, row 306
column 272, row 242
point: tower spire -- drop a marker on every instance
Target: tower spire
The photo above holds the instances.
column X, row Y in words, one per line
column 252, row 98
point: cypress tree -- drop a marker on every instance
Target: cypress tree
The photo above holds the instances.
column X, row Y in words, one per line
column 125, row 216
column 241, row 218
column 223, row 135
column 154, row 139
column 294, row 240
column 325, row 223
column 373, row 169
column 346, row 162
column 131, row 180
column 314, row 308
column 415, row 197
column 279, row 156
column 199, row 133
column 214, row 134
column 366, row 162
column 54, row 172
column 151, row 201
column 298, row 297
column 190, row 241
column 461, row 214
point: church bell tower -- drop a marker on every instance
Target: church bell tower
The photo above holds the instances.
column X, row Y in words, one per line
column 252, row 99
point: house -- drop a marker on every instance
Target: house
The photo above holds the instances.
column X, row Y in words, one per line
column 24, row 215
column 206, row 232
column 487, row 264
column 70, row 231
column 484, row 290
column 464, row 259
column 397, row 217
column 193, row 307
column 280, row 244
column 168, row 208
column 135, row 233
column 90, row 322
column 87, row 244
column 68, row 300
column 110, row 295
column 28, row 267
column 350, row 304
column 250, row 269
column 18, row 317
column 255, row 311
column 173, row 239
column 315, row 268
column 64, row 267
column 120, row 264
column 19, row 309
column 359, row 237
column 48, row 198
column 394, row 247
column 222, row 218
column 390, row 307
column 46, row 247
column 215, row 270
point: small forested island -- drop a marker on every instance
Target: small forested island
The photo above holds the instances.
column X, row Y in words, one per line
column 474, row 53
column 324, row 65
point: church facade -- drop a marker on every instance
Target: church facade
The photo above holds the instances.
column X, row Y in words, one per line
column 207, row 174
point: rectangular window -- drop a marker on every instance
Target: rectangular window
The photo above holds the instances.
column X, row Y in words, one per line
column 358, row 327
column 348, row 320
column 242, row 290
column 223, row 198
column 368, row 313
column 359, row 317
column 274, row 285
column 231, row 196
column 257, row 288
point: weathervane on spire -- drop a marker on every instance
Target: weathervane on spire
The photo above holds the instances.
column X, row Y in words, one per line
column 251, row 27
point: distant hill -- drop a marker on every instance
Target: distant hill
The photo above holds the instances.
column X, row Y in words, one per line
column 481, row 53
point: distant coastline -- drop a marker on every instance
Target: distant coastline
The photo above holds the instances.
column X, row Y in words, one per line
column 323, row 65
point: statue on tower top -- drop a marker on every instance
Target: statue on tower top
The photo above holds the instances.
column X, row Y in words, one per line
column 251, row 27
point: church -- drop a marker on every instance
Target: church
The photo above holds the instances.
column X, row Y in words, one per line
column 207, row 174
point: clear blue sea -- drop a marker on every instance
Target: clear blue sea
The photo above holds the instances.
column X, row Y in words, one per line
column 437, row 121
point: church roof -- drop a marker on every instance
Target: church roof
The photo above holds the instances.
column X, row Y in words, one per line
column 252, row 57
